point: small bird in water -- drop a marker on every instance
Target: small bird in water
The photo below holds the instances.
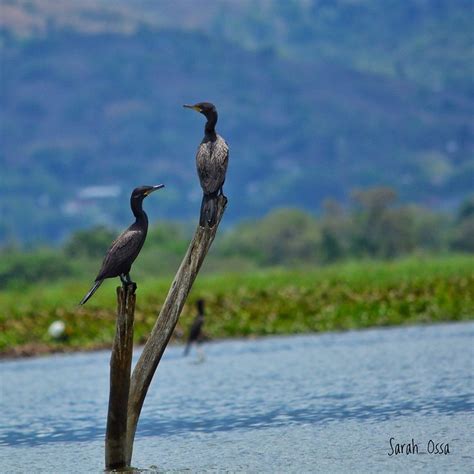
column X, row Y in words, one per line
column 211, row 161
column 126, row 247
column 196, row 327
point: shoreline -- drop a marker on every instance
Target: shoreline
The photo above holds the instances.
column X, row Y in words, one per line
column 32, row 350
column 355, row 295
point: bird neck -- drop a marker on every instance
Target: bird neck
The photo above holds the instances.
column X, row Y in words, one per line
column 210, row 128
column 138, row 212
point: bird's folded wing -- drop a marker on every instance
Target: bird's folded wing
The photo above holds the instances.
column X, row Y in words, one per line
column 212, row 172
column 124, row 248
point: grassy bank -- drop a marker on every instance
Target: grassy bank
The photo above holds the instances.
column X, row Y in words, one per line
column 339, row 297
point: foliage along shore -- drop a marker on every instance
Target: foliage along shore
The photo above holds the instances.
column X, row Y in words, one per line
column 347, row 296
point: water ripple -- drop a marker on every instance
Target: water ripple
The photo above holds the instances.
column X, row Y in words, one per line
column 371, row 377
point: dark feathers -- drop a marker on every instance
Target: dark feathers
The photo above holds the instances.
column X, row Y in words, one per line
column 96, row 285
column 196, row 328
column 125, row 248
column 211, row 161
column 208, row 213
column 123, row 252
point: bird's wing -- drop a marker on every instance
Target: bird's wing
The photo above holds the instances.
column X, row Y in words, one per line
column 122, row 253
column 212, row 159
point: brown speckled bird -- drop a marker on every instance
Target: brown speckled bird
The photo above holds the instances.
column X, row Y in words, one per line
column 211, row 161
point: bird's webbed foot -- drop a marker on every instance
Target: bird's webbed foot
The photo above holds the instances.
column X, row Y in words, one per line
column 127, row 282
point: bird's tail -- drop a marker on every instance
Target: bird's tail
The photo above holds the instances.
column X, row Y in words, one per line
column 208, row 210
column 91, row 291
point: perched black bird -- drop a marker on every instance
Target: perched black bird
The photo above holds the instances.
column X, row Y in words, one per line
column 211, row 161
column 196, row 328
column 126, row 247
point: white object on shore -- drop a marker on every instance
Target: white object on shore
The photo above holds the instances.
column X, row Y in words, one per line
column 57, row 329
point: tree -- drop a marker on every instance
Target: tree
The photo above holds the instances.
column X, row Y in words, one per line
column 466, row 209
column 336, row 230
column 283, row 236
column 89, row 243
column 463, row 239
column 370, row 219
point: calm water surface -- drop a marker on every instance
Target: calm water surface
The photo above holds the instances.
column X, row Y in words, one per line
column 320, row 403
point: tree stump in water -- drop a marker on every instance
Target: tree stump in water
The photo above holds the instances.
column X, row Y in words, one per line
column 128, row 394
column 120, row 368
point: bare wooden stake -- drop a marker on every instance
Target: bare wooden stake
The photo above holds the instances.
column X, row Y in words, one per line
column 166, row 322
column 120, row 368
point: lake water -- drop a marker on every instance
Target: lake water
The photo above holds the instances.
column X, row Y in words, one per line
column 326, row 403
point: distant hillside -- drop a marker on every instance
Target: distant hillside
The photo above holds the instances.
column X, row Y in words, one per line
column 315, row 98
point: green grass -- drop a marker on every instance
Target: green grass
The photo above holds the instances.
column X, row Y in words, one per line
column 278, row 301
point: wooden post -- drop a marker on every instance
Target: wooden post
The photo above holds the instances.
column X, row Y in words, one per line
column 120, row 367
column 166, row 322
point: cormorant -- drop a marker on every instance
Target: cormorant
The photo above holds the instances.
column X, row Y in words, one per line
column 126, row 247
column 211, row 161
column 195, row 332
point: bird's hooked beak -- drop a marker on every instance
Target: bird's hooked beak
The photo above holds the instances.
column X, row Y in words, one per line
column 154, row 188
column 194, row 107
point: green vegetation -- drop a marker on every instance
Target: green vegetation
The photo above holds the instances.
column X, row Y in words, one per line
column 374, row 226
column 342, row 271
column 338, row 297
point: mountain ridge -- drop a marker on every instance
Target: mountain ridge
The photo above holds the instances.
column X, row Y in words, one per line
column 81, row 109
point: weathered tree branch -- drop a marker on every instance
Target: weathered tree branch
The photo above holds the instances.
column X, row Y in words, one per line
column 120, row 368
column 166, row 322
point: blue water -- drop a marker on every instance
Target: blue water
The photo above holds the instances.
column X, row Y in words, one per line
column 319, row 403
